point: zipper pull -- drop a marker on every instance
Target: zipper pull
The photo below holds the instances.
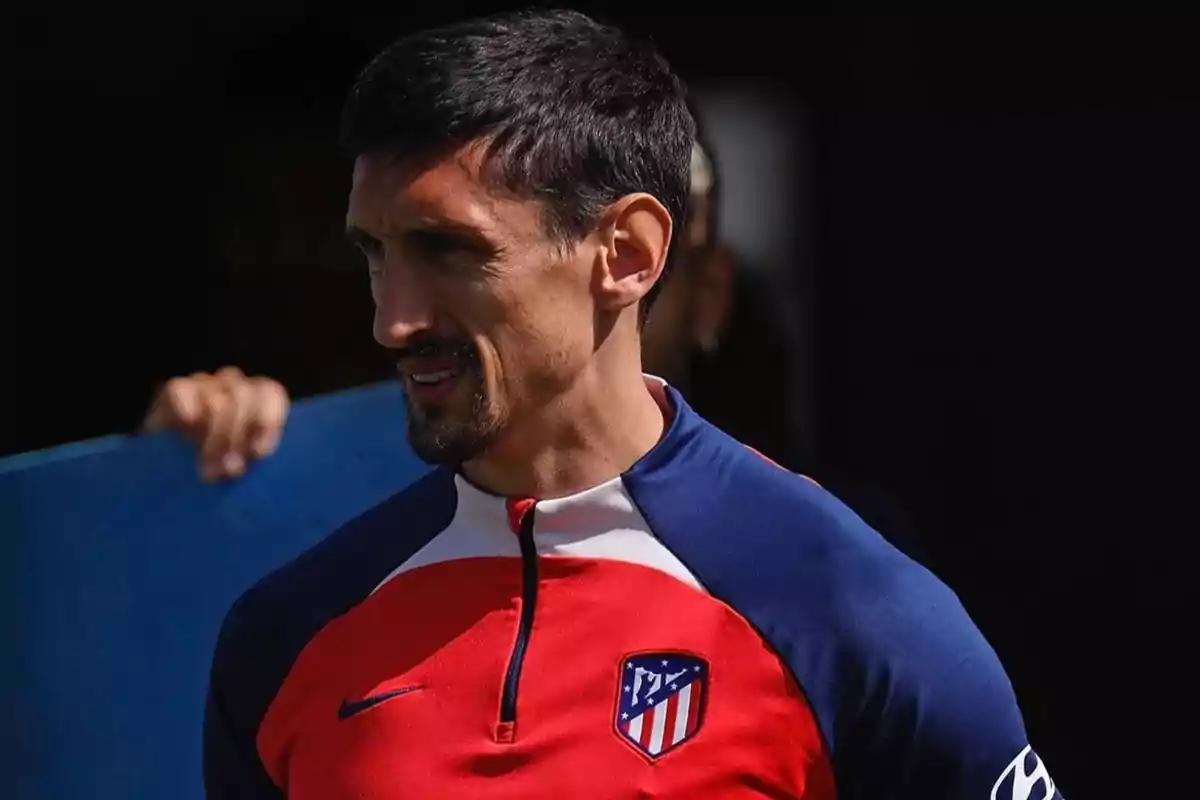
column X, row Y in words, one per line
column 520, row 514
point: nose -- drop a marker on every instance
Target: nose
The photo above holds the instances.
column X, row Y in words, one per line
column 403, row 305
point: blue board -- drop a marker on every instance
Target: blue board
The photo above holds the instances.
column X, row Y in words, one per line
column 119, row 566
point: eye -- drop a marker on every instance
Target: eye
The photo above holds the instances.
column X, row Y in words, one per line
column 367, row 244
column 450, row 253
column 371, row 248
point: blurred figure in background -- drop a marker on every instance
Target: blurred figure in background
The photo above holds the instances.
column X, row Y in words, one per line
column 718, row 335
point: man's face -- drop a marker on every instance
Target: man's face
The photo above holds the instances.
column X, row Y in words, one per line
column 488, row 317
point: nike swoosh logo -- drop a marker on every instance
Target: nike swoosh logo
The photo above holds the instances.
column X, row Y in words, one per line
column 351, row 707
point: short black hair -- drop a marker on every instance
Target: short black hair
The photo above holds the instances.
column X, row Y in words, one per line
column 574, row 113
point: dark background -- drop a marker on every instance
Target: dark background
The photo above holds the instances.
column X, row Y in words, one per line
column 1004, row 220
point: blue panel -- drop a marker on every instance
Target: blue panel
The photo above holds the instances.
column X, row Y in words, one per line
column 119, row 566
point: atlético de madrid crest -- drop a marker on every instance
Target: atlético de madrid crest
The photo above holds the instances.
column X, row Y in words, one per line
column 661, row 700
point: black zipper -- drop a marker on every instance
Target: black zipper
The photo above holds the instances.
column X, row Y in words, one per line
column 529, row 587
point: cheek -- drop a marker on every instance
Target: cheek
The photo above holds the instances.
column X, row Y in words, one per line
column 456, row 307
column 546, row 335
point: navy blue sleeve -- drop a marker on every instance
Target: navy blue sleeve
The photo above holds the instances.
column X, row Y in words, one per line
column 910, row 699
column 232, row 711
column 270, row 624
column 923, row 706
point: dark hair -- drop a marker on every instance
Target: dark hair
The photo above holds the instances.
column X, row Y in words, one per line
column 574, row 113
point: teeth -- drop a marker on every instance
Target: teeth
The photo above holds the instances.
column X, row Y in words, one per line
column 431, row 377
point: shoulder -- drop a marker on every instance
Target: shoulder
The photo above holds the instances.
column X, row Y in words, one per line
column 752, row 526
column 272, row 621
column 904, row 687
column 773, row 540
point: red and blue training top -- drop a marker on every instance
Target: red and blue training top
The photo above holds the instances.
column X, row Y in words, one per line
column 705, row 625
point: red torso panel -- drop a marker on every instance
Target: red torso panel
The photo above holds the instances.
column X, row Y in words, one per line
column 444, row 633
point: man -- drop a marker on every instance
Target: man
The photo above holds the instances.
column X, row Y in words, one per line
column 596, row 594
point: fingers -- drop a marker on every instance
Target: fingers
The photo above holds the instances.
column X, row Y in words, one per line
column 266, row 427
column 228, row 402
column 233, row 419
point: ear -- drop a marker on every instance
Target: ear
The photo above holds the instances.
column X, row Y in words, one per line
column 635, row 234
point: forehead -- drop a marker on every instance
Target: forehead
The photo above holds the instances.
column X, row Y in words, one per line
column 389, row 195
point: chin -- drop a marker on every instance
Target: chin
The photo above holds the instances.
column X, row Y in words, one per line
column 442, row 435
column 438, row 445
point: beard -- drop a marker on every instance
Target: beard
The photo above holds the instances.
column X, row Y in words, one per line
column 456, row 430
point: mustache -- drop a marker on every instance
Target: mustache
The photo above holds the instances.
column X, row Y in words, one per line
column 438, row 348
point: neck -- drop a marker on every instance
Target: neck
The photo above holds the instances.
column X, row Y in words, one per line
column 594, row 431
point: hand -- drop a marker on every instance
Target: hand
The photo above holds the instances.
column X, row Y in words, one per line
column 233, row 419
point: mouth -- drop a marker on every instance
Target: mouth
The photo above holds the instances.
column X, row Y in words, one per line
column 432, row 378
column 430, row 381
